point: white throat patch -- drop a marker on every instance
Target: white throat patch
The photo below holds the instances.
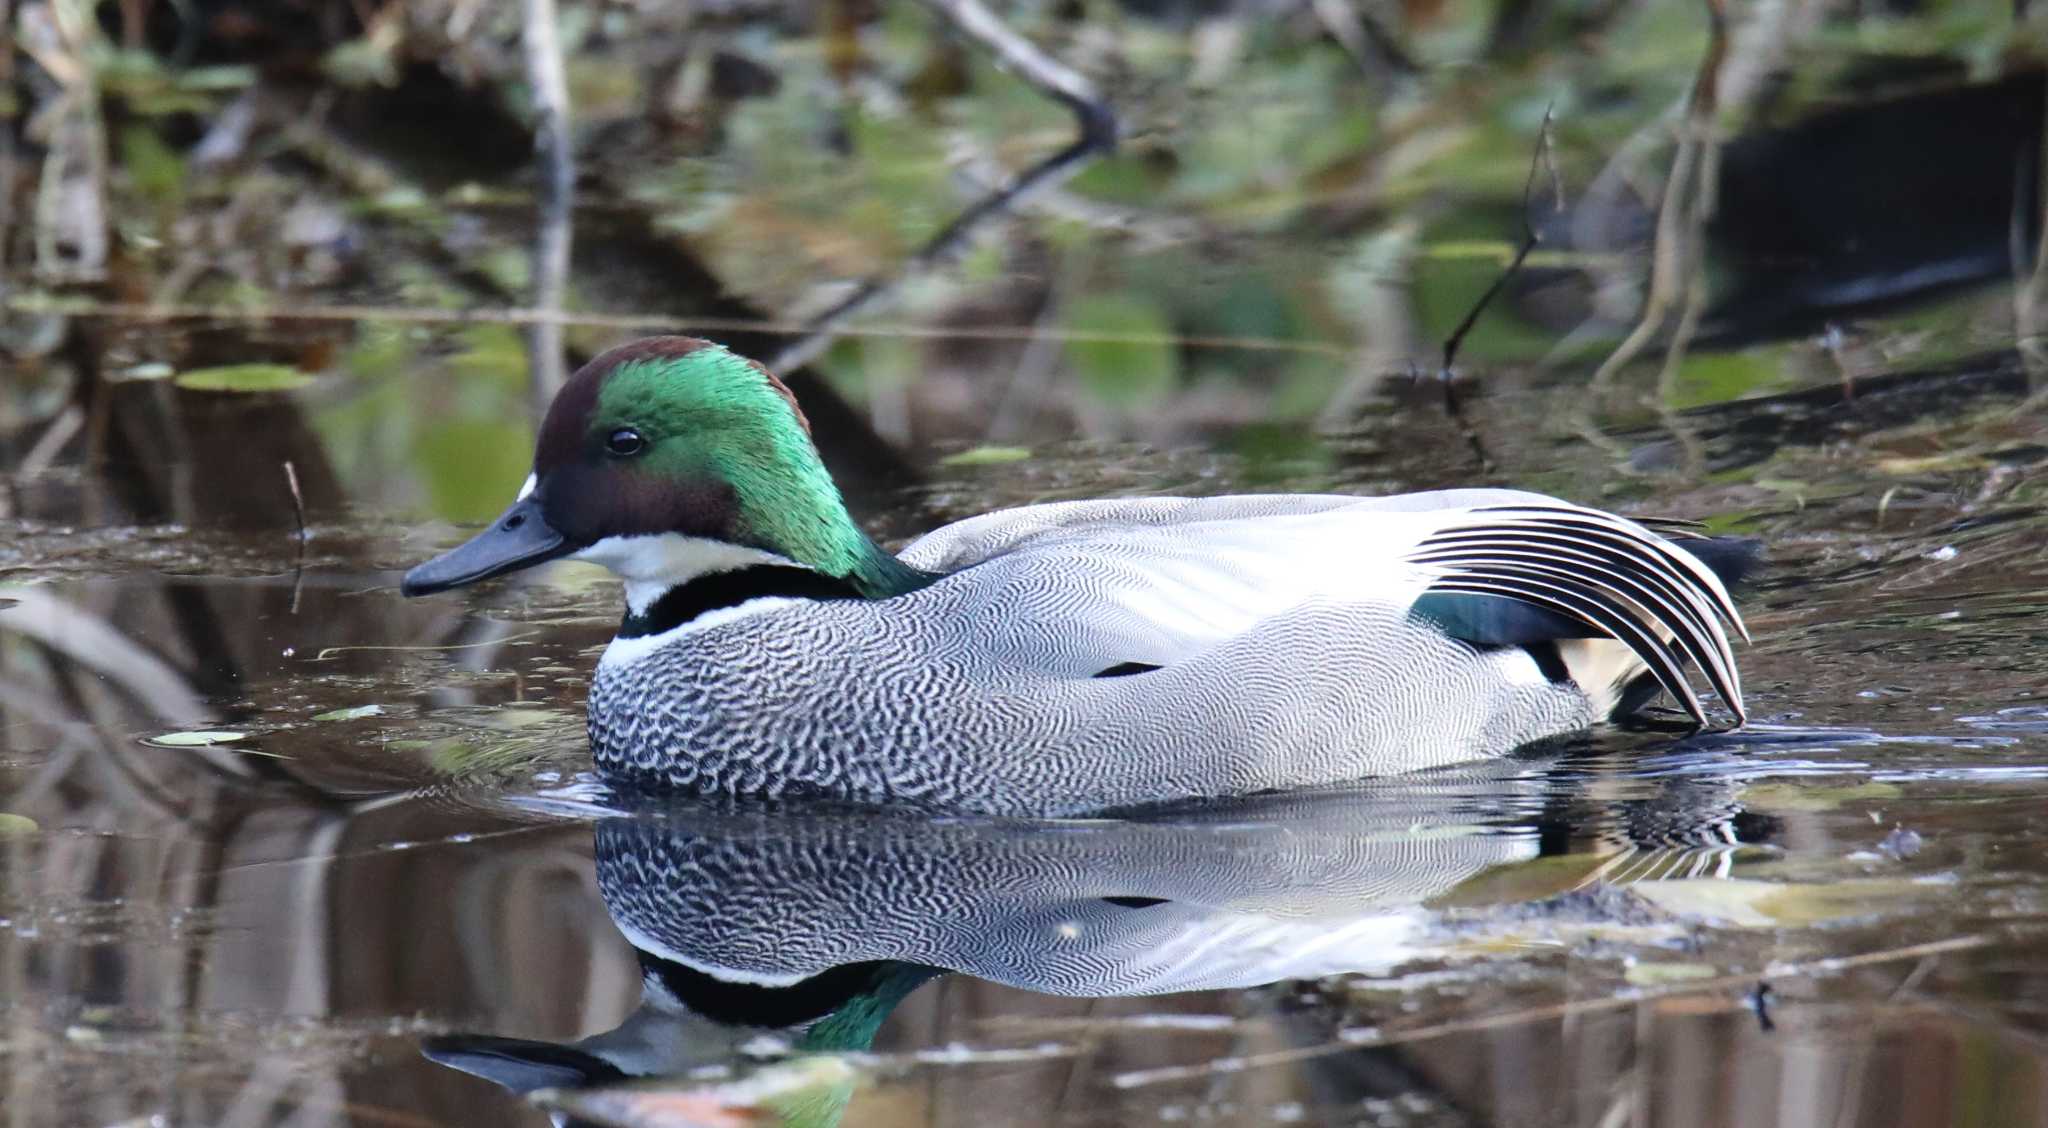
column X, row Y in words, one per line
column 654, row 563
column 626, row 651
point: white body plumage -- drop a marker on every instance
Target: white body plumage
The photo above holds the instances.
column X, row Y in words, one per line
column 1264, row 641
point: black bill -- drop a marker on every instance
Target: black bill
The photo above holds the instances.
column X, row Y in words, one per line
column 519, row 538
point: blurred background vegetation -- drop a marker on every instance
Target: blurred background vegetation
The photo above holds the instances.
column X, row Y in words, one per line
column 336, row 199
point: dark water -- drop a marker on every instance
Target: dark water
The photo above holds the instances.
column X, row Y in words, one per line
column 390, row 893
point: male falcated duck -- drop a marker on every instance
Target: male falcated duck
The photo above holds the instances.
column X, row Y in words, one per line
column 1071, row 656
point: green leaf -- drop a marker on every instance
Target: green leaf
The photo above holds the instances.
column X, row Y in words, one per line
column 244, row 378
column 352, row 714
column 17, row 824
column 199, row 739
column 987, row 456
column 156, row 170
column 1710, row 378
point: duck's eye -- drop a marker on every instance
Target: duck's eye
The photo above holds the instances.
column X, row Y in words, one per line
column 624, row 441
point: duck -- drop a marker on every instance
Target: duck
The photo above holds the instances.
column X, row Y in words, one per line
column 1072, row 657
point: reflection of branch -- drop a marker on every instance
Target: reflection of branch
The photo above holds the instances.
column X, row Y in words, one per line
column 1531, row 237
column 1679, row 258
column 557, row 190
column 1731, row 73
column 87, row 639
column 1047, row 75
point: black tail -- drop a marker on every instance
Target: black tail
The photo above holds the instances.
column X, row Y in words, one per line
column 1734, row 559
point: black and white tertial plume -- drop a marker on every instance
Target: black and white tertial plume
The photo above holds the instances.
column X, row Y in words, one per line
column 1596, row 570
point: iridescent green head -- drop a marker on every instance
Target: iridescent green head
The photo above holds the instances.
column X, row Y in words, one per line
column 665, row 459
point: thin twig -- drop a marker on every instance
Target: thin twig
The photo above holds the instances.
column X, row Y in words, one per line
column 1531, row 238
column 1097, row 133
column 550, row 95
column 291, row 481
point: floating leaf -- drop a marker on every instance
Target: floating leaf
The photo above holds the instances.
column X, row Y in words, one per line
column 987, row 456
column 1745, row 903
column 244, row 378
column 351, row 714
column 200, row 739
column 1655, row 974
column 1814, row 797
column 17, row 824
column 1515, row 883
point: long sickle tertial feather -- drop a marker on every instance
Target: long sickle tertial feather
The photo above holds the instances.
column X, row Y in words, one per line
column 1607, row 573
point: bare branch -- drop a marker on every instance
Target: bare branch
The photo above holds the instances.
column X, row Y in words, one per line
column 1544, row 157
column 1097, row 132
column 1531, row 238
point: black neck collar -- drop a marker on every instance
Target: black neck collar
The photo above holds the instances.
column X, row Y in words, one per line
column 731, row 1003
column 687, row 600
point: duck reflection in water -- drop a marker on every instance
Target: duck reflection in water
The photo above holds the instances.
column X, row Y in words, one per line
column 764, row 933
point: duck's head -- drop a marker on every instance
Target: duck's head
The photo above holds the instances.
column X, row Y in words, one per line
column 667, row 459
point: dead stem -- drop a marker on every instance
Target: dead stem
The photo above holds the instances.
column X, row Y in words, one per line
column 1569, row 1009
column 1678, row 255
column 552, row 232
column 291, row 481
column 1531, row 238
column 1729, row 75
